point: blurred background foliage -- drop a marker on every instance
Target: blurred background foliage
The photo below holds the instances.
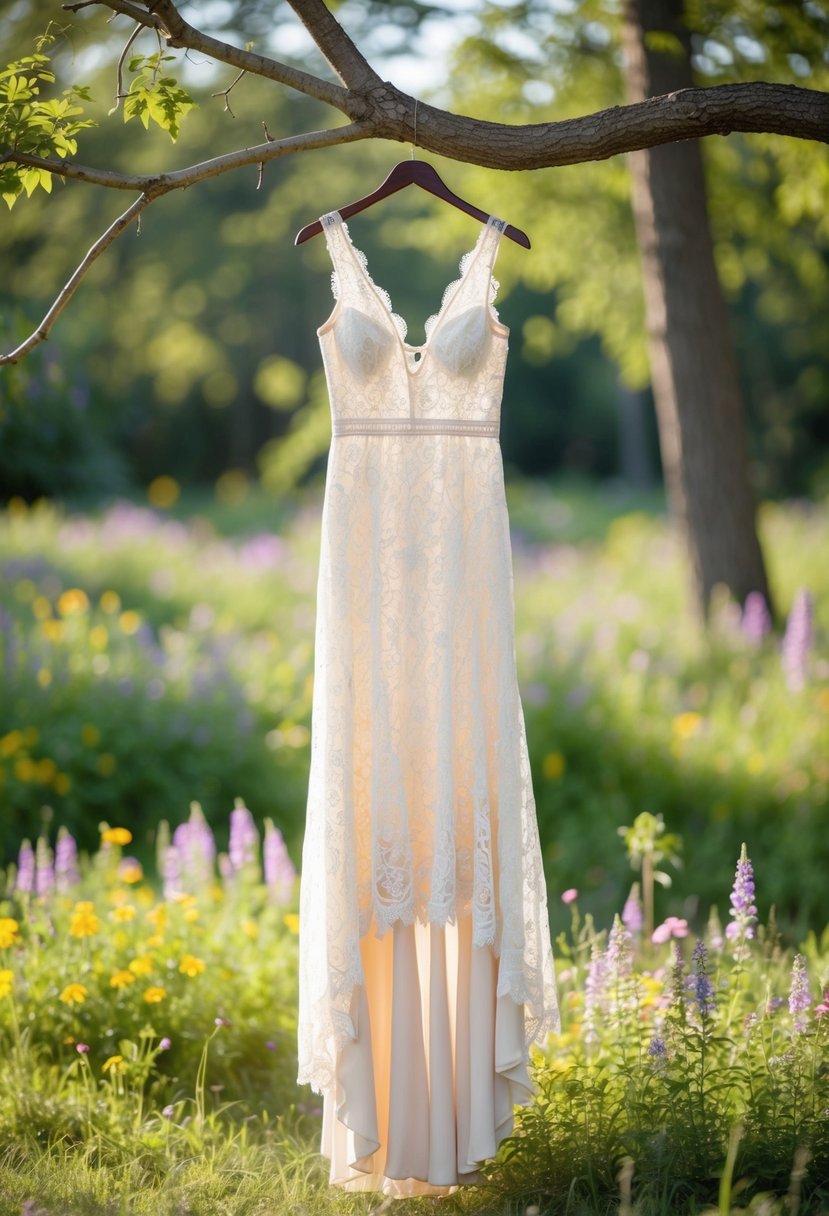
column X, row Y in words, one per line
column 192, row 346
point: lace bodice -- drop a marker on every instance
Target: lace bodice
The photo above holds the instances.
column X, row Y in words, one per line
column 379, row 381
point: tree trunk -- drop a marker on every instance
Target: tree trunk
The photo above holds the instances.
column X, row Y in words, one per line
column 699, row 406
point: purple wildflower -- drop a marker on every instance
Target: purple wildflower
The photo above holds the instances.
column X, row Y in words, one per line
column 82, row 1048
column 619, row 953
column 797, row 640
column 280, row 871
column 165, row 1044
column 244, row 837
column 633, row 917
column 66, row 861
column 594, row 991
column 45, row 872
column 171, row 872
column 657, row 1049
column 168, row 1112
column 740, row 929
column 702, row 991
column 196, row 849
column 570, row 895
column 799, row 998
column 25, row 880
column 774, row 1003
column 756, row 621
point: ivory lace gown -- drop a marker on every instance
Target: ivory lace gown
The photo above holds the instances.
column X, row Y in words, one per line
column 425, row 961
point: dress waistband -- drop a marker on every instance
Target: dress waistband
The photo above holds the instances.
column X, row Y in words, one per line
column 414, row 426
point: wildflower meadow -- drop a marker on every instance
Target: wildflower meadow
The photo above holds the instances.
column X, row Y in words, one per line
column 154, row 735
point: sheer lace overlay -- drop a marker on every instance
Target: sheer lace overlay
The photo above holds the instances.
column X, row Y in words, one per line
column 420, row 802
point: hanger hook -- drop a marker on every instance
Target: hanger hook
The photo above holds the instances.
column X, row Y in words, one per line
column 414, row 140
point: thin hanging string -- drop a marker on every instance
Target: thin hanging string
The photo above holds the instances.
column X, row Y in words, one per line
column 414, row 142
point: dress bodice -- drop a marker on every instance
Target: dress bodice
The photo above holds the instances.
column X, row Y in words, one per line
column 379, row 383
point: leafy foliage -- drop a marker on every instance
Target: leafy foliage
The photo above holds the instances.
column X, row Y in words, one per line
column 31, row 124
column 156, row 97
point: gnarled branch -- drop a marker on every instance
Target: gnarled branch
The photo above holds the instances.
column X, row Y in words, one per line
column 378, row 110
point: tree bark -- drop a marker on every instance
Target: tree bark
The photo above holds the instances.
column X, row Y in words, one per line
column 699, row 404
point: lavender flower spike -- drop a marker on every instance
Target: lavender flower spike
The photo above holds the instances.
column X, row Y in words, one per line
column 702, row 990
column 66, row 861
column 25, row 880
column 244, row 837
column 797, row 641
column 740, row 929
column 633, row 917
column 756, row 622
column 45, row 875
column 280, row 872
column 799, row 998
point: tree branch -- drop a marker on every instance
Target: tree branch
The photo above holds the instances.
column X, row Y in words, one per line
column 340, row 52
column 167, row 21
column 68, row 290
column 156, row 184
column 152, row 188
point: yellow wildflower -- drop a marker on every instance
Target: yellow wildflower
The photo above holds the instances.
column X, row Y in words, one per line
column 157, row 916
column 250, row 928
column 129, row 621
column 72, row 601
column 41, row 607
column 153, row 995
column 98, row 637
column 46, row 769
column 74, row 994
column 90, row 735
column 62, row 783
column 84, row 922
column 120, row 979
column 110, row 602
column 687, row 724
column 163, row 491
column 124, row 914
column 113, row 1064
column 116, row 836
column 130, row 870
column 292, row 921
column 51, row 629
column 156, row 940
column 105, row 765
column 6, row 982
column 120, row 939
column 191, row 915
column 553, row 765
column 11, row 743
column 142, row 965
column 25, row 769
column 190, row 965
column 8, row 932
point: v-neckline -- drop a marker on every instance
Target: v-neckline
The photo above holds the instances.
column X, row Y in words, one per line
column 384, row 297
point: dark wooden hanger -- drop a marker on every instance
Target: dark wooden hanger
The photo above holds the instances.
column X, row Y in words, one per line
column 413, row 173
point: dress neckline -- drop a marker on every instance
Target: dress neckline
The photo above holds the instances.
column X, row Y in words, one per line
column 433, row 322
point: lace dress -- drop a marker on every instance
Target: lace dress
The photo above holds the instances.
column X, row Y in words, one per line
column 425, row 961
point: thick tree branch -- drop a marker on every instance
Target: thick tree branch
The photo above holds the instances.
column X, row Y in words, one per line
column 339, row 51
column 379, row 110
column 777, row 109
